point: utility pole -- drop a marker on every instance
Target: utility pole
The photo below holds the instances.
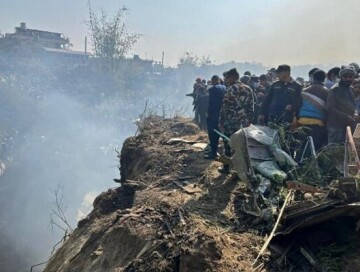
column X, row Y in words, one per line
column 85, row 45
column 162, row 59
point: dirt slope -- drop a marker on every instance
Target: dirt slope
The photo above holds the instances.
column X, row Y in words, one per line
column 175, row 212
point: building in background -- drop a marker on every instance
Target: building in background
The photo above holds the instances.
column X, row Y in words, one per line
column 24, row 36
column 51, row 46
column 54, row 49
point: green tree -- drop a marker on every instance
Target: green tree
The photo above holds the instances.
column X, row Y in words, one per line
column 110, row 36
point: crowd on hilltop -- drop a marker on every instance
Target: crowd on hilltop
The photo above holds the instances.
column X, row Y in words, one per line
column 323, row 106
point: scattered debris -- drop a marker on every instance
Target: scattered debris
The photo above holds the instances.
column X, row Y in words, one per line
column 311, row 259
column 182, row 220
column 190, row 189
column 180, row 140
column 268, row 240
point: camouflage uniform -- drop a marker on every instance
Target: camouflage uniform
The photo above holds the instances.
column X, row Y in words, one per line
column 237, row 110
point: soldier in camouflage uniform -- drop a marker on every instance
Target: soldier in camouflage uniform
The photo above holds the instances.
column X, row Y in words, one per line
column 237, row 110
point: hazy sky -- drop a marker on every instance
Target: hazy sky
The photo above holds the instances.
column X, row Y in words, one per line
column 267, row 31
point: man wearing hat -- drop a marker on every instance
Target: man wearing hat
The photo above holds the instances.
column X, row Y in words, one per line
column 272, row 75
column 340, row 106
column 283, row 101
column 237, row 109
column 245, row 79
column 247, row 73
column 254, row 82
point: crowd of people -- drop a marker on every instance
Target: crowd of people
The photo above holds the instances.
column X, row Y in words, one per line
column 321, row 107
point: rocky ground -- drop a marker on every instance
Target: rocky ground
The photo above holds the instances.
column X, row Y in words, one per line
column 175, row 212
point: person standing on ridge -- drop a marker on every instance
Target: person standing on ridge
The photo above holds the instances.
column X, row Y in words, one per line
column 283, row 101
column 312, row 114
column 340, row 107
column 237, row 110
column 216, row 95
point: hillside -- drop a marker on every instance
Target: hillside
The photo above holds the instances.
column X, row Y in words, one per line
column 175, row 212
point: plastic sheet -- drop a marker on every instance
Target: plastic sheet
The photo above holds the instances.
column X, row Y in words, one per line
column 259, row 135
column 270, row 170
column 281, row 157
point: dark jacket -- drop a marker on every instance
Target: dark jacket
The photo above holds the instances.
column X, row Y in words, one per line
column 318, row 89
column 261, row 92
column 340, row 106
column 313, row 102
column 216, row 96
column 280, row 95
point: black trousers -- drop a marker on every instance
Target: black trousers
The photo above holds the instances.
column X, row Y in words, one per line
column 227, row 148
column 213, row 136
column 318, row 133
column 228, row 132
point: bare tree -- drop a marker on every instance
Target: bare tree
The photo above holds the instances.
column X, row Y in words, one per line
column 59, row 220
column 57, row 216
column 189, row 59
column 193, row 60
column 110, row 36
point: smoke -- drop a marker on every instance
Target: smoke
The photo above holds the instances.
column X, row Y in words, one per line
column 70, row 129
column 86, row 205
column 68, row 148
